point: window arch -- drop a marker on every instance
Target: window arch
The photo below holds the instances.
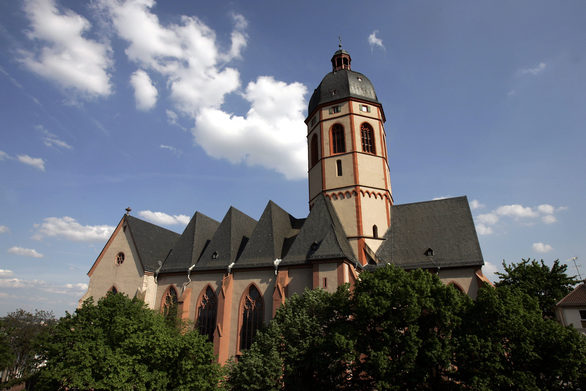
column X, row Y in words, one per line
column 251, row 312
column 314, row 153
column 367, row 138
column 207, row 310
column 337, row 139
column 170, row 303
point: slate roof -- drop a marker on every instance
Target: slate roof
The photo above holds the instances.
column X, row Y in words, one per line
column 444, row 226
column 575, row 298
column 340, row 85
column 270, row 239
column 194, row 239
column 152, row 242
column 321, row 237
column 228, row 241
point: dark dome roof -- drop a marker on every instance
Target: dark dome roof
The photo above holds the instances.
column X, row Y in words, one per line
column 339, row 85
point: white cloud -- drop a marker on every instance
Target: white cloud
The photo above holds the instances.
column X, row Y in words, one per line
column 489, row 269
column 25, row 252
column 546, row 209
column 475, row 204
column 65, row 56
column 32, row 161
column 164, row 218
column 68, row 228
column 5, row 273
column 272, row 134
column 51, row 140
column 3, row 229
column 374, row 41
column 536, row 70
column 516, row 211
column 145, row 92
column 487, row 218
column 542, row 247
column 4, row 155
column 171, row 149
column 74, row 289
column 190, row 58
column 549, row 219
column 483, row 229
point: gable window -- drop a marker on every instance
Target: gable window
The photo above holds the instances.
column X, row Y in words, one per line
column 206, row 314
column 338, row 141
column 314, row 153
column 335, row 109
column 119, row 258
column 251, row 315
column 339, row 167
column 170, row 303
column 367, row 138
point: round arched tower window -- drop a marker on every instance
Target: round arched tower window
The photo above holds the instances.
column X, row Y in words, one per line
column 119, row 258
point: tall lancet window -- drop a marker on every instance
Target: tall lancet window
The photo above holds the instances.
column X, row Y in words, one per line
column 314, row 153
column 338, row 142
column 251, row 312
column 206, row 313
column 367, row 138
column 170, row 304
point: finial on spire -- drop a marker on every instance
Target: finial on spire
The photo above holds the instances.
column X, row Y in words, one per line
column 339, row 42
column 128, row 210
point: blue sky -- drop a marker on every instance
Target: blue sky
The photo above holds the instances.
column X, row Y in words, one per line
column 177, row 106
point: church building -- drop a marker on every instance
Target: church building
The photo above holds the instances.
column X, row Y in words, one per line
column 229, row 277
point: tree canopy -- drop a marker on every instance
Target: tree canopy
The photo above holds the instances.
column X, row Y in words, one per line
column 398, row 330
column 119, row 344
column 536, row 279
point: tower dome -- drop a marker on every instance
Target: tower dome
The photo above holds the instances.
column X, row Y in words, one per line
column 341, row 83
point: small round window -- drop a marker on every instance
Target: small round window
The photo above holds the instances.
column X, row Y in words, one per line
column 119, row 258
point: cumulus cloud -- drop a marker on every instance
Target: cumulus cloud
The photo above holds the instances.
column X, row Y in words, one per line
column 145, row 92
column 3, row 229
column 25, row 252
column 475, row 204
column 5, row 273
column 68, row 228
column 541, row 247
column 72, row 289
column 163, row 218
column 32, row 161
column 4, row 155
column 534, row 71
column 271, row 135
column 51, row 140
column 198, row 76
column 64, row 55
column 517, row 212
column 374, row 41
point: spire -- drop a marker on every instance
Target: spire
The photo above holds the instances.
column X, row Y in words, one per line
column 341, row 59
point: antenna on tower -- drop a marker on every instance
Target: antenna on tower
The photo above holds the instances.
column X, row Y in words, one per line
column 576, row 266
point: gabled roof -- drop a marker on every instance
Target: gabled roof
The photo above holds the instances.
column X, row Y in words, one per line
column 321, row 237
column 188, row 248
column 228, row 241
column 269, row 240
column 576, row 298
column 152, row 242
column 443, row 226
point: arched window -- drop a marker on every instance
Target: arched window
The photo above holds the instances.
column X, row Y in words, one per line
column 314, row 153
column 170, row 304
column 252, row 312
column 206, row 313
column 367, row 138
column 375, row 231
column 338, row 142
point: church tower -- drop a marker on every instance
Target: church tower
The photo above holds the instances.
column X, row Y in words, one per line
column 348, row 154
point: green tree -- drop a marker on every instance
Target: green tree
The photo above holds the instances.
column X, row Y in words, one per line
column 504, row 343
column 19, row 331
column 547, row 285
column 119, row 344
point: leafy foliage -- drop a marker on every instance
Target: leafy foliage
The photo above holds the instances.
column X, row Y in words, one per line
column 119, row 344
column 399, row 330
column 19, row 332
column 536, row 279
